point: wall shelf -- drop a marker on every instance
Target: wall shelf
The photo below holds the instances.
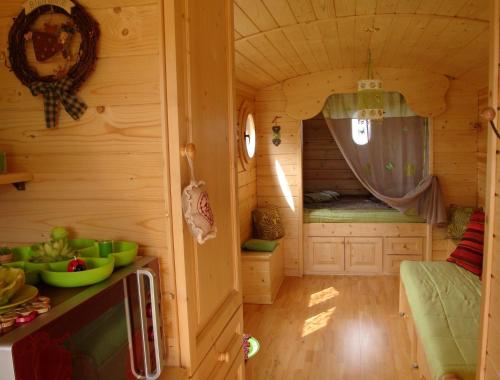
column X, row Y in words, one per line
column 18, row 180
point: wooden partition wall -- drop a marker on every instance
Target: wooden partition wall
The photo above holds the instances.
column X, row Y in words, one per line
column 452, row 111
column 104, row 176
column 247, row 176
column 489, row 349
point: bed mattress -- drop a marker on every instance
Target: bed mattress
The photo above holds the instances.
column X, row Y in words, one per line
column 355, row 209
column 445, row 304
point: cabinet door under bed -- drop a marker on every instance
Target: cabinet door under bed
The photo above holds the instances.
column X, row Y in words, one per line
column 325, row 255
column 363, row 255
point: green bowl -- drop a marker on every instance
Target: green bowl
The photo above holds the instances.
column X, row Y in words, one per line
column 98, row 270
column 31, row 273
column 86, row 247
column 124, row 252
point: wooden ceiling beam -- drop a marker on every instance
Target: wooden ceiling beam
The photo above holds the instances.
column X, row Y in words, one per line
column 412, row 16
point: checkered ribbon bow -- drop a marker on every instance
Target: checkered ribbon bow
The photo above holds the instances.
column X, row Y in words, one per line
column 56, row 92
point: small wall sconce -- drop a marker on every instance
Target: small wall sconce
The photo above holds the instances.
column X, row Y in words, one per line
column 276, row 131
column 489, row 114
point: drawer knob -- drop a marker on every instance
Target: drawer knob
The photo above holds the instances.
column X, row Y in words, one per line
column 223, row 357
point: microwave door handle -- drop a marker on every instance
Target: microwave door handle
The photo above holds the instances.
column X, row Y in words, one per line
column 149, row 274
column 129, row 332
column 143, row 321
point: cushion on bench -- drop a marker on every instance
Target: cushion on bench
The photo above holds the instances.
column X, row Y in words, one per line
column 260, row 245
column 445, row 305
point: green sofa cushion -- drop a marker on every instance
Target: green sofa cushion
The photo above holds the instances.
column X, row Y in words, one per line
column 445, row 304
column 260, row 245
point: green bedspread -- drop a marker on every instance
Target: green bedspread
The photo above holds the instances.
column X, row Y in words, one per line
column 445, row 304
column 328, row 215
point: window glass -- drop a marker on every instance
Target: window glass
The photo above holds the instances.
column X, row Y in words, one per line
column 250, row 136
column 361, row 131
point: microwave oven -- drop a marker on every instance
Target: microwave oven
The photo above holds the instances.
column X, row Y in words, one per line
column 110, row 331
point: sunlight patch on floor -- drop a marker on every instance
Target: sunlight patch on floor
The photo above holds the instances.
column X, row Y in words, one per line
column 322, row 296
column 317, row 322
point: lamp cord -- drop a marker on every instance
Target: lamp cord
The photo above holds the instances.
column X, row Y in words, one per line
column 494, row 129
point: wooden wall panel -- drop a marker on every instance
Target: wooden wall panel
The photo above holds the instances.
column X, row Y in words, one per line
column 279, row 171
column 454, row 159
column 247, row 177
column 324, row 167
column 103, row 175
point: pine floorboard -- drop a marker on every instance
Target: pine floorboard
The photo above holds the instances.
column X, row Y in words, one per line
column 331, row 327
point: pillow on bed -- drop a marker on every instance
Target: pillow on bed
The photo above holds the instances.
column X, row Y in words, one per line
column 321, row 196
column 459, row 218
column 469, row 252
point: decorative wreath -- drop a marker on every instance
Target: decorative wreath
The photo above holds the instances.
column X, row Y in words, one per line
column 60, row 87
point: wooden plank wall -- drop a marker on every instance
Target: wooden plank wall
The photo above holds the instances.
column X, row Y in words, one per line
column 280, row 162
column 103, row 175
column 324, row 167
column 247, row 177
column 454, row 156
column 454, row 161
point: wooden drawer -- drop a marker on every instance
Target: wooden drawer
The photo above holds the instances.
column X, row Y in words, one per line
column 392, row 262
column 324, row 255
column 363, row 255
column 225, row 351
column 404, row 246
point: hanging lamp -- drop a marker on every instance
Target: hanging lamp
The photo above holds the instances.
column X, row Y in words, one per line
column 370, row 105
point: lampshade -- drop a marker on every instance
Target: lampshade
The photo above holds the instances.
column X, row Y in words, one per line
column 370, row 96
column 370, row 99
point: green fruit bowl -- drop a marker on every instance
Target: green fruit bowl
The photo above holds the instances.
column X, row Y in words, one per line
column 124, row 252
column 85, row 247
column 98, row 269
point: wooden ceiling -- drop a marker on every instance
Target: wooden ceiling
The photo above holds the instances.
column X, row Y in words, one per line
column 282, row 39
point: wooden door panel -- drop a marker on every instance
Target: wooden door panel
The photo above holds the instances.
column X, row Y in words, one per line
column 210, row 102
column 363, row 255
column 210, row 271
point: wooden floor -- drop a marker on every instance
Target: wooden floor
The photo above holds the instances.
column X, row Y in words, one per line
column 331, row 327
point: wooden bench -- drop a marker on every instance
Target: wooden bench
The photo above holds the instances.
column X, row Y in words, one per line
column 436, row 289
column 262, row 273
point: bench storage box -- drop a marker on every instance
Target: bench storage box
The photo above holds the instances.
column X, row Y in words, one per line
column 262, row 274
column 441, row 305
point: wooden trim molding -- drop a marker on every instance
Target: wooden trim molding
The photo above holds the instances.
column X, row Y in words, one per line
column 424, row 91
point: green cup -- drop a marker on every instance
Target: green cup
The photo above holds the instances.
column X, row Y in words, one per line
column 105, row 247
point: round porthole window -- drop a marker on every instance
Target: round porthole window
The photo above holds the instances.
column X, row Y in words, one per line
column 247, row 136
column 250, row 136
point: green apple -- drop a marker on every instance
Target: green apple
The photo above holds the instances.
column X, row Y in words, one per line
column 59, row 233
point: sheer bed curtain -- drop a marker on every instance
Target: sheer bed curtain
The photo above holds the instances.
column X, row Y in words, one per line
column 389, row 157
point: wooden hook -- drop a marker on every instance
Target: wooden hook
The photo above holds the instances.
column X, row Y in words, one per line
column 188, row 150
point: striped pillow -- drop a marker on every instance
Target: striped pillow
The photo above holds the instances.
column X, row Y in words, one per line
column 469, row 252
